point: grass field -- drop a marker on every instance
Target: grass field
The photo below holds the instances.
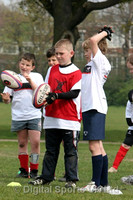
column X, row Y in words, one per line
column 115, row 133
column 115, row 124
column 9, row 166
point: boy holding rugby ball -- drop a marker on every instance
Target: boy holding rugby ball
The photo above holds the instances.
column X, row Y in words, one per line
column 26, row 119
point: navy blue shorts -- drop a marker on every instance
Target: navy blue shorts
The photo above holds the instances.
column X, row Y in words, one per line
column 93, row 125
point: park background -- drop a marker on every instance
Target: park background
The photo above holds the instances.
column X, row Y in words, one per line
column 35, row 26
column 28, row 27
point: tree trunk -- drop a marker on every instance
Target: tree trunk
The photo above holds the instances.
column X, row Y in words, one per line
column 63, row 27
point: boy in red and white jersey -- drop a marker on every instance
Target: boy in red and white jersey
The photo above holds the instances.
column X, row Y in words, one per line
column 63, row 115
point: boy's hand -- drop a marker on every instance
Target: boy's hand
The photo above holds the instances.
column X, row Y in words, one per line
column 108, row 30
column 27, row 77
column 51, row 97
column 5, row 97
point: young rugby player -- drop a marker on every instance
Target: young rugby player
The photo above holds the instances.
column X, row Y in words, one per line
column 128, row 141
column 52, row 60
column 63, row 116
column 26, row 119
column 94, row 108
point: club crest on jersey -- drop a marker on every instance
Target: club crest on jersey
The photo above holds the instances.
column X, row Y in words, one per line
column 59, row 86
column 106, row 76
column 87, row 69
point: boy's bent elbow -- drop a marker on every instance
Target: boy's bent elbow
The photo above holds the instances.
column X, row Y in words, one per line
column 93, row 40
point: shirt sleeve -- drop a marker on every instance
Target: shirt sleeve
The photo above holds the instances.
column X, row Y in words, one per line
column 102, row 66
column 9, row 90
column 40, row 79
column 129, row 110
column 47, row 75
column 68, row 95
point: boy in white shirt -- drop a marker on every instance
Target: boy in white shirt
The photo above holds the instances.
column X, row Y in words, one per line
column 26, row 119
column 51, row 58
column 128, row 141
column 94, row 107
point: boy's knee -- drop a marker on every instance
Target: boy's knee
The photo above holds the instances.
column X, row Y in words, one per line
column 91, row 147
column 94, row 148
column 22, row 145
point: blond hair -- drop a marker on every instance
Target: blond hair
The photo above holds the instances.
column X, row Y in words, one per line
column 102, row 45
column 86, row 44
column 65, row 43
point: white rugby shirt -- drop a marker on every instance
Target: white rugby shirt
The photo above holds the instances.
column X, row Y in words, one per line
column 22, row 107
column 93, row 78
column 129, row 113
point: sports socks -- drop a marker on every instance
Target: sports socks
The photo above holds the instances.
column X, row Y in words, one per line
column 119, row 156
column 97, row 165
column 33, row 166
column 34, row 161
column 104, row 174
column 24, row 159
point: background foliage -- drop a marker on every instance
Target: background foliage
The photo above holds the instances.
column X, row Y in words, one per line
column 117, row 91
column 29, row 28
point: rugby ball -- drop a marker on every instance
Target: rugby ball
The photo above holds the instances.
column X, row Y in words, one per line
column 11, row 79
column 40, row 95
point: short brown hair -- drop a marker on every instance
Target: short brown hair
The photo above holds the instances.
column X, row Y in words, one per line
column 29, row 57
column 50, row 52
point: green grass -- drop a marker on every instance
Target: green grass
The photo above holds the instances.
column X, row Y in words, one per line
column 115, row 132
column 9, row 166
column 115, row 123
column 5, row 121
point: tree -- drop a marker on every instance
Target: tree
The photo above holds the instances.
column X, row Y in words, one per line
column 21, row 31
column 67, row 14
column 126, row 16
column 13, row 25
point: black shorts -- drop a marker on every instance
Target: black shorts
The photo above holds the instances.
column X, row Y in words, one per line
column 129, row 138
